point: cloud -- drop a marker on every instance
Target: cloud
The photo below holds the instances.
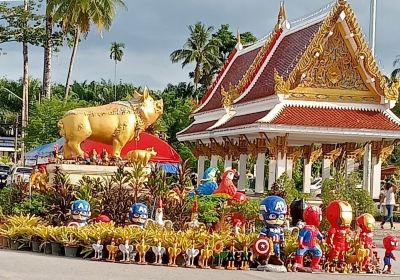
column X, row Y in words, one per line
column 152, row 29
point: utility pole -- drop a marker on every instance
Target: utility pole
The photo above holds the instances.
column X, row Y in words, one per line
column 372, row 26
column 25, row 85
column 16, row 139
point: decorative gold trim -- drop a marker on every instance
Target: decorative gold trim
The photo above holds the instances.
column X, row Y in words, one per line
column 385, row 153
column 392, row 91
column 332, row 94
column 281, row 86
column 228, row 96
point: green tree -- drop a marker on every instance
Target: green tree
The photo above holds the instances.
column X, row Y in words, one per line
column 201, row 49
column 227, row 39
column 116, row 54
column 42, row 127
column 77, row 16
column 247, row 38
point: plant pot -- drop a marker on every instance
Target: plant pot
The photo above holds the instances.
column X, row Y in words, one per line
column 56, row 249
column 14, row 244
column 71, row 252
column 47, row 248
column 35, row 246
column 3, row 242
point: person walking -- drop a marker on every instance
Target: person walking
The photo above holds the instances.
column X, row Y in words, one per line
column 390, row 202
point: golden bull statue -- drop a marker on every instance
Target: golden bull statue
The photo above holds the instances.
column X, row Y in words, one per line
column 114, row 124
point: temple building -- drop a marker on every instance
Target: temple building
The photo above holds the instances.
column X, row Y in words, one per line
column 312, row 90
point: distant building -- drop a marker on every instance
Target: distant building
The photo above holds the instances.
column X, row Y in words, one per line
column 7, row 140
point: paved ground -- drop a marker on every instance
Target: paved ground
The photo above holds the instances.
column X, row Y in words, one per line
column 33, row 266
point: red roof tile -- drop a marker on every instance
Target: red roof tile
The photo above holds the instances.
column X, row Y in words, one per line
column 244, row 119
column 337, row 118
column 199, row 127
column 284, row 59
column 235, row 72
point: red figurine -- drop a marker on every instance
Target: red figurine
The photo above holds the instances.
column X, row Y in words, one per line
column 390, row 243
column 228, row 189
column 339, row 215
column 308, row 236
column 366, row 222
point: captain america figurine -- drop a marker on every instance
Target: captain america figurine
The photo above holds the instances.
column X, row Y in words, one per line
column 273, row 211
column 138, row 215
column 80, row 213
column 308, row 236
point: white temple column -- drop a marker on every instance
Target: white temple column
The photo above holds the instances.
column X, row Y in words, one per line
column 214, row 161
column 326, row 167
column 271, row 172
column 242, row 171
column 367, row 168
column 280, row 164
column 260, row 178
column 200, row 168
column 307, row 176
column 228, row 162
column 289, row 167
column 376, row 168
column 350, row 161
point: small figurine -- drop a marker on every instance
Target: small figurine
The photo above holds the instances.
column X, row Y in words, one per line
column 93, row 157
column 191, row 252
column 159, row 251
column 141, row 157
column 366, row 222
column 219, row 251
column 173, row 252
column 127, row 251
column 308, row 236
column 205, row 255
column 142, row 248
column 56, row 154
column 158, row 219
column 228, row 189
column 390, row 244
column 104, row 157
column 98, row 250
column 194, row 222
column 273, row 210
column 245, row 257
column 208, row 183
column 112, row 251
column 339, row 215
column 231, row 257
column 138, row 215
column 362, row 256
column 80, row 213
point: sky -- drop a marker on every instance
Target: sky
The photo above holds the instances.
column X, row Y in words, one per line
column 152, row 29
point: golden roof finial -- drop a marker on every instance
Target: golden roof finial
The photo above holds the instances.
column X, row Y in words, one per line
column 239, row 45
column 281, row 16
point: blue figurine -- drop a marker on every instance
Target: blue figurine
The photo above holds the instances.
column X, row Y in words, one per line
column 208, row 183
column 138, row 215
column 273, row 210
column 80, row 213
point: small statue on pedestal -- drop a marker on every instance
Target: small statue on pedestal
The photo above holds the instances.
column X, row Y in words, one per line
column 245, row 257
column 127, row 252
column 159, row 251
column 80, row 213
column 231, row 257
column 173, row 252
column 390, row 244
column 112, row 251
column 192, row 253
column 98, row 250
column 142, row 249
column 104, row 157
column 93, row 157
column 205, row 255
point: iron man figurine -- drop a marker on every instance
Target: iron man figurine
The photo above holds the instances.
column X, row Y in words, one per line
column 366, row 222
column 339, row 215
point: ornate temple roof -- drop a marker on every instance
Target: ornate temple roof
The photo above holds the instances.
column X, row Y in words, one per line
column 317, row 72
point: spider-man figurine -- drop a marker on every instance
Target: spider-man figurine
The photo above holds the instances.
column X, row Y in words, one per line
column 339, row 215
column 390, row 243
column 308, row 236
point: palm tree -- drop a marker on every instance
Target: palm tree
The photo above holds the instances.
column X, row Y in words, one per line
column 116, row 54
column 395, row 75
column 77, row 16
column 199, row 48
column 48, row 48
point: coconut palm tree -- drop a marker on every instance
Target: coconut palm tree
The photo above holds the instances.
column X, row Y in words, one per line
column 77, row 16
column 199, row 48
column 116, row 54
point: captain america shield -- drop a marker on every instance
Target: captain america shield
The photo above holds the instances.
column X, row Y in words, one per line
column 261, row 246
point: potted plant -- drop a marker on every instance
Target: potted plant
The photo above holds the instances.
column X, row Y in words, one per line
column 55, row 240
column 44, row 233
column 70, row 241
column 35, row 240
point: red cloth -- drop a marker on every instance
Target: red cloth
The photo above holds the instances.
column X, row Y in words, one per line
column 165, row 153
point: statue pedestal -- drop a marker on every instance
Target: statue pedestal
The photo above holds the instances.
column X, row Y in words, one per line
column 77, row 171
